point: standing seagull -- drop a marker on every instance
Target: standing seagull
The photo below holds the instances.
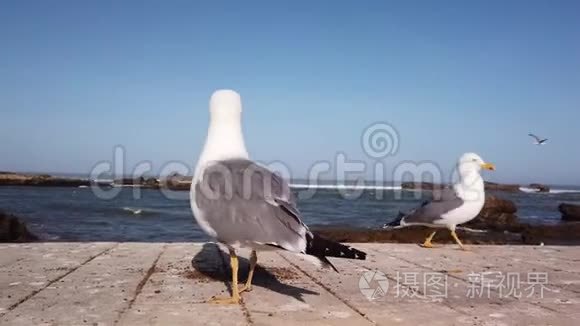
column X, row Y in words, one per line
column 454, row 206
column 538, row 140
column 241, row 204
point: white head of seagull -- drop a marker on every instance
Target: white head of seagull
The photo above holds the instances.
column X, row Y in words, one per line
column 471, row 162
column 471, row 186
column 225, row 139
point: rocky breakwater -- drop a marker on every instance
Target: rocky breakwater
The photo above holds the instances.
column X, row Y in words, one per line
column 496, row 224
column 39, row 180
column 498, row 219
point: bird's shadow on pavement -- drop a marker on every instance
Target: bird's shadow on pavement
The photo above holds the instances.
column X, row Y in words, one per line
column 212, row 262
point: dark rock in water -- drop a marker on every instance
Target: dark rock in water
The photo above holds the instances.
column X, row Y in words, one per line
column 14, row 230
column 497, row 214
column 563, row 234
column 570, row 212
column 177, row 182
column 128, row 181
column 502, row 187
column 421, row 186
column 151, row 182
column 540, row 187
column 141, row 182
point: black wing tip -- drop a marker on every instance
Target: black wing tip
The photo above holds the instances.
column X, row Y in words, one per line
column 396, row 222
column 321, row 248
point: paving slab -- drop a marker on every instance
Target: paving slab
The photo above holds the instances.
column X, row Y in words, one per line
column 96, row 292
column 401, row 284
column 483, row 287
column 175, row 294
column 28, row 269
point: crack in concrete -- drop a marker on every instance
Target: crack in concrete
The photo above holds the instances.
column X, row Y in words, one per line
column 72, row 270
column 141, row 285
column 334, row 294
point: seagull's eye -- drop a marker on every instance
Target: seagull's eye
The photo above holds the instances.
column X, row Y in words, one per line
column 474, row 160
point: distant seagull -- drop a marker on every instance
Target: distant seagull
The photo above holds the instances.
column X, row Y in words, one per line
column 538, row 140
column 242, row 204
column 455, row 206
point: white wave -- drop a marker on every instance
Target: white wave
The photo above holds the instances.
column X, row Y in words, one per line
column 563, row 191
column 103, row 180
column 135, row 211
column 552, row 191
column 342, row 186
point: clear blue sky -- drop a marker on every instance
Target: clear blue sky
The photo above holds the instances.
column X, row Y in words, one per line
column 78, row 77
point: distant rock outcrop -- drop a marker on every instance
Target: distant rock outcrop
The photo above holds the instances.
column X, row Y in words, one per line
column 14, row 230
column 540, row 187
column 141, row 182
column 421, row 186
column 177, row 181
column 44, row 180
column 570, row 212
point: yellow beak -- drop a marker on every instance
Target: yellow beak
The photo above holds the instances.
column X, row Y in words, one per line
column 488, row 166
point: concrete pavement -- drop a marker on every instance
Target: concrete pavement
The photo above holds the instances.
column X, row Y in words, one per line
column 400, row 284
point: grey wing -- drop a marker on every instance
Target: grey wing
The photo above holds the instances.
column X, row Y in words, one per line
column 246, row 203
column 444, row 194
column 430, row 212
column 535, row 137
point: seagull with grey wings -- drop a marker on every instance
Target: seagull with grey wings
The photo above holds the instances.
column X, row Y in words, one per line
column 454, row 206
column 240, row 203
column 538, row 140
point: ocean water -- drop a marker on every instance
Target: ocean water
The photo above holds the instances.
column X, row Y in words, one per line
column 76, row 214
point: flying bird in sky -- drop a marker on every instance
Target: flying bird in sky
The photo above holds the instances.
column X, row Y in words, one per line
column 538, row 140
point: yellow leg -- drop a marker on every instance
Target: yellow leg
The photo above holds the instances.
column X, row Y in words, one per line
column 235, row 298
column 454, row 235
column 253, row 261
column 427, row 243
